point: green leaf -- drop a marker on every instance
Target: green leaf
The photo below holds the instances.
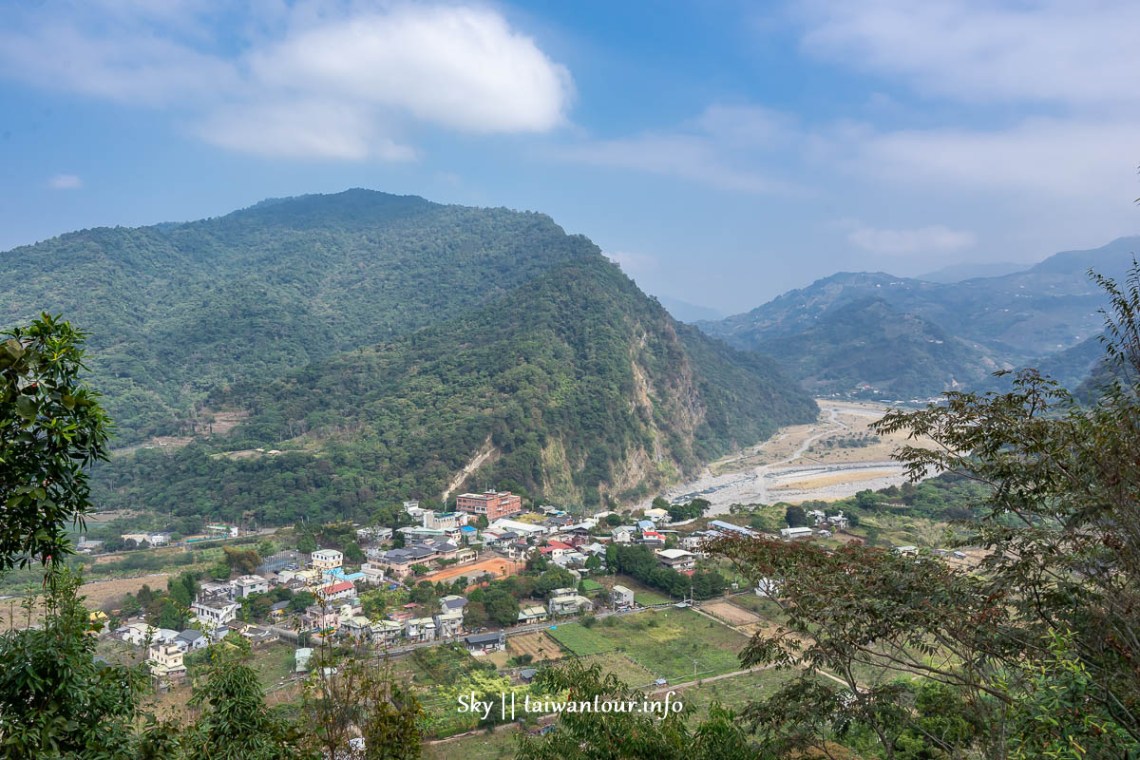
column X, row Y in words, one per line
column 26, row 407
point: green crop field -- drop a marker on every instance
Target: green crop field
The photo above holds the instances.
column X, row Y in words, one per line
column 734, row 693
column 650, row 598
column 676, row 644
column 582, row 641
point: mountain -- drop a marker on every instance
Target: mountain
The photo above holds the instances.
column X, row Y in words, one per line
column 373, row 348
column 867, row 344
column 575, row 386
column 176, row 310
column 956, row 333
column 971, row 270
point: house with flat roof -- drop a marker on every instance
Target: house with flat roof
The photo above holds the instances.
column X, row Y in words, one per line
column 420, row 629
column 213, row 611
column 569, row 604
column 449, row 623
column 491, row 504
column 534, row 613
column 485, row 643
column 621, row 597
column 250, row 584
column 796, row 534
column 677, row 559
column 165, row 661
column 326, row 559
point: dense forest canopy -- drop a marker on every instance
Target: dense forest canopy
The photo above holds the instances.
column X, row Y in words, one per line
column 576, row 385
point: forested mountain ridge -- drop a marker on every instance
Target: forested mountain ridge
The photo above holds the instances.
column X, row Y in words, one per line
column 575, row 386
column 174, row 311
column 972, row 327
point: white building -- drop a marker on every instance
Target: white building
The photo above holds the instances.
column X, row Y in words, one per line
column 677, row 559
column 213, row 612
column 793, row 534
column 621, row 597
column 250, row 584
column 326, row 559
column 373, row 573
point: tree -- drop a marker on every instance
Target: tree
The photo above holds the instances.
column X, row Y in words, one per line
column 554, row 578
column 243, row 561
column 633, row 734
column 51, row 429
column 355, row 693
column 56, row 699
column 353, row 553
column 1038, row 649
column 795, row 516
column 306, row 543
column 502, row 608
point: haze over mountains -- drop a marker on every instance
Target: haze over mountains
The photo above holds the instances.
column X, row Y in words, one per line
column 388, row 347
column 880, row 335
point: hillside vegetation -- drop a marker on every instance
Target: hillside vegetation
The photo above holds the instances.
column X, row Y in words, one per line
column 175, row 311
column 874, row 333
column 372, row 347
column 575, row 387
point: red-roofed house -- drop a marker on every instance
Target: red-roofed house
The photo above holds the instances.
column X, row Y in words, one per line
column 338, row 590
column 558, row 549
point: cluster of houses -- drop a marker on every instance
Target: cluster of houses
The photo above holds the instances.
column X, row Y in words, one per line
column 825, row 526
column 439, row 538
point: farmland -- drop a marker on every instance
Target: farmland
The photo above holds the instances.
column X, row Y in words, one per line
column 731, row 614
column 677, row 644
column 538, row 645
column 642, row 594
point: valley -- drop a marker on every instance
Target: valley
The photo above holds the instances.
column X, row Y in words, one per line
column 830, row 459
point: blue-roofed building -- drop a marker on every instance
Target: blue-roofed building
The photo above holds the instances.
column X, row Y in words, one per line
column 338, row 574
column 646, row 525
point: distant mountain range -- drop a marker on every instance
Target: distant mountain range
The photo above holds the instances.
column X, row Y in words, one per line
column 375, row 347
column 875, row 334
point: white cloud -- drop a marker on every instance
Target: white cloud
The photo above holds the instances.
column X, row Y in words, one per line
column 310, row 129
column 1073, row 158
column 463, row 68
column 933, row 239
column 65, row 182
column 719, row 148
column 329, row 81
column 1068, row 52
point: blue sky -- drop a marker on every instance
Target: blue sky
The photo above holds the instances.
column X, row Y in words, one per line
column 722, row 152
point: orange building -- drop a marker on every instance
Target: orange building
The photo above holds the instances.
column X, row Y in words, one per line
column 493, row 504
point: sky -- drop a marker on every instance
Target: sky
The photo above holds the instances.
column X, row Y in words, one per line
column 721, row 152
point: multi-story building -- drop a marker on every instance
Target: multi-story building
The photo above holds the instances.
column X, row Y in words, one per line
column 165, row 661
column 250, row 584
column 492, row 504
column 326, row 559
column 214, row 611
column 336, row 591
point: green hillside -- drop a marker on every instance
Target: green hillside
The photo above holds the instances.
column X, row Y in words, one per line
column 925, row 337
column 868, row 344
column 174, row 311
column 575, row 386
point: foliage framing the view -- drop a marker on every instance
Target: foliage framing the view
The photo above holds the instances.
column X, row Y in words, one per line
column 1032, row 654
column 51, row 429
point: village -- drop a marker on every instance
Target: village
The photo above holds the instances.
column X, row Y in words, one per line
column 441, row 565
